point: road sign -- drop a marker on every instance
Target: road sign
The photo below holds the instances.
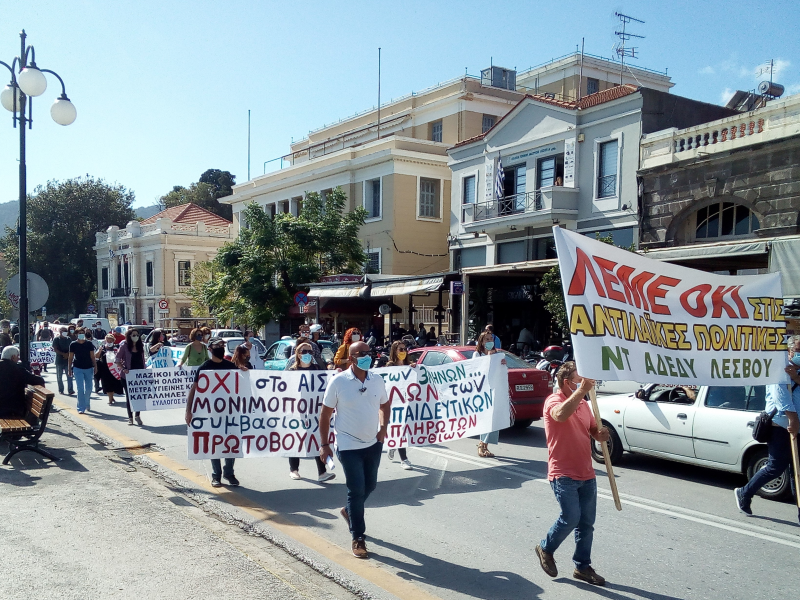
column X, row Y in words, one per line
column 301, row 298
column 38, row 292
column 90, row 308
column 163, row 304
column 456, row 287
column 384, row 309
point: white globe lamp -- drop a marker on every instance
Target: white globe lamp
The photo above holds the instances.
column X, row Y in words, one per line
column 63, row 111
column 7, row 98
column 32, row 81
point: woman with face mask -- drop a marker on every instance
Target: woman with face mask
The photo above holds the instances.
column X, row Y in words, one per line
column 398, row 357
column 195, row 353
column 485, row 347
column 111, row 385
column 342, row 358
column 82, row 365
column 304, row 361
column 157, row 341
column 130, row 356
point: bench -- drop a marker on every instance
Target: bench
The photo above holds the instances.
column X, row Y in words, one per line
column 24, row 434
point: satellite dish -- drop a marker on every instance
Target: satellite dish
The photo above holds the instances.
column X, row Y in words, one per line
column 38, row 292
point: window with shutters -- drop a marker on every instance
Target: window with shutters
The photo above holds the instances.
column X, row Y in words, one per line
column 429, row 198
column 592, row 85
column 184, row 273
column 149, row 273
column 436, row 131
column 104, row 277
column 607, row 157
column 372, row 199
column 488, row 123
column 468, row 190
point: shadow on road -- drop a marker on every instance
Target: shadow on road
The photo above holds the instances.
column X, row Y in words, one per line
column 421, row 568
column 609, row 591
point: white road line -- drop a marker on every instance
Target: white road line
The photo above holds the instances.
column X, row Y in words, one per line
column 777, row 537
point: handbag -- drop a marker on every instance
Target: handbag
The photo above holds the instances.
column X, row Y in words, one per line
column 762, row 427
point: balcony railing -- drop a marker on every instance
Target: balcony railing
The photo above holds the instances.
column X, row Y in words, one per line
column 502, row 207
column 123, row 292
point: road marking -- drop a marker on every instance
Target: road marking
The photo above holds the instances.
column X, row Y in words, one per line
column 777, row 537
column 367, row 569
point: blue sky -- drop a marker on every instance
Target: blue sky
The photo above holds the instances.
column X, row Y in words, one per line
column 162, row 89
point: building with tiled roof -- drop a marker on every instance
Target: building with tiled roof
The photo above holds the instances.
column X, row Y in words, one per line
column 569, row 162
column 150, row 262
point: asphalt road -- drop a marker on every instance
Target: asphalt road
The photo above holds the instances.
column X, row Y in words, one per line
column 459, row 526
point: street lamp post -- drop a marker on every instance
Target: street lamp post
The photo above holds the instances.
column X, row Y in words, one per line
column 17, row 96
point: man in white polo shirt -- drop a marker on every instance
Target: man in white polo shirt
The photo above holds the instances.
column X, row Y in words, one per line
column 362, row 418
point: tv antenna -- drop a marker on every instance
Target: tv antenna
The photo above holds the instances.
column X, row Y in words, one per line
column 625, row 36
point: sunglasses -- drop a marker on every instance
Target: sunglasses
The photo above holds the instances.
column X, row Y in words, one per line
column 306, row 352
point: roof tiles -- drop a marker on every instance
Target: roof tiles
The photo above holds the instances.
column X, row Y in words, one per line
column 188, row 213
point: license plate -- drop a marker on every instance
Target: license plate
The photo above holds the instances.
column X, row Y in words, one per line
column 525, row 387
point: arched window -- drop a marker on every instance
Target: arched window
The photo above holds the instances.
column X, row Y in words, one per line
column 725, row 219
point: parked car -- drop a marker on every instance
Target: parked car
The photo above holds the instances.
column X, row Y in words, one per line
column 708, row 426
column 527, row 386
column 280, row 352
column 227, row 333
column 231, row 343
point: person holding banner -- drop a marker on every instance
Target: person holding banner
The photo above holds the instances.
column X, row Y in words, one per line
column 195, row 353
column 111, row 385
column 304, row 361
column 398, row 357
column 485, row 347
column 130, row 357
column 569, row 424
column 157, row 341
column 363, row 412
column 216, row 347
column 785, row 401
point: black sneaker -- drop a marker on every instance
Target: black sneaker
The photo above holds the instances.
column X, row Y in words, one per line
column 215, row 482
column 740, row 502
column 231, row 480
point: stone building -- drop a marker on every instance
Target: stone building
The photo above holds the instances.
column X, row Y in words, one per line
column 725, row 196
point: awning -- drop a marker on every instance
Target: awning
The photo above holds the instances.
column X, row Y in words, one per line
column 335, row 291
column 411, row 286
column 784, row 257
column 701, row 251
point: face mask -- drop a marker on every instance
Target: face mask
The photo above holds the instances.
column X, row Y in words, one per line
column 364, row 363
column 81, row 336
column 135, row 338
column 63, row 334
column 109, row 344
column 306, row 359
column 71, row 331
column 251, row 339
column 198, row 338
column 218, row 352
column 356, row 337
column 489, row 345
column 402, row 355
column 796, row 359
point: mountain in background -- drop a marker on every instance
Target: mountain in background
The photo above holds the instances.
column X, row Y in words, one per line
column 145, row 212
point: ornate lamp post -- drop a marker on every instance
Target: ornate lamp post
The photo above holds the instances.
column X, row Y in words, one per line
column 27, row 81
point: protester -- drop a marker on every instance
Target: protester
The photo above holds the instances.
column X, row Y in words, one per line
column 241, row 357
column 362, row 419
column 130, row 357
column 341, row 359
column 304, row 361
column 61, row 348
column 119, row 337
column 195, row 353
column 82, row 365
column 569, row 426
column 785, row 400
column 308, row 335
column 111, row 385
column 490, row 329
column 98, row 332
column 486, row 347
column 216, row 347
column 45, row 334
column 15, row 378
column 5, row 337
column 89, row 338
column 250, row 341
column 398, row 357
column 72, row 335
column 157, row 341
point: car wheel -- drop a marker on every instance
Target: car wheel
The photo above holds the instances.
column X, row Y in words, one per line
column 614, row 447
column 522, row 423
column 778, row 488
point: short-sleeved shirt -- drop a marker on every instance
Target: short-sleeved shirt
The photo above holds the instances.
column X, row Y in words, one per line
column 192, row 357
column 779, row 397
column 357, row 420
column 82, row 355
column 210, row 365
column 568, row 443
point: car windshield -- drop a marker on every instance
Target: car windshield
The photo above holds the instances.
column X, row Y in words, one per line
column 514, row 362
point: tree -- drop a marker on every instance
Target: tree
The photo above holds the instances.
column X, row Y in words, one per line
column 253, row 279
column 63, row 218
column 213, row 185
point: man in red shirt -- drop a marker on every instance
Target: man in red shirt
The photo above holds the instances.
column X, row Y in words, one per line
column 569, row 424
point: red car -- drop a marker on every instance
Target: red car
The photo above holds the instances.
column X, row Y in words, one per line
column 527, row 386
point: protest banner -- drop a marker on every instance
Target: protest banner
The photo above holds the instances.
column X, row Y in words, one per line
column 634, row 318
column 158, row 389
column 42, row 352
column 111, row 361
column 167, row 356
column 276, row 413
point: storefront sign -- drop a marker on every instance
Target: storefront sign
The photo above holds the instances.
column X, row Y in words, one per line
column 529, row 153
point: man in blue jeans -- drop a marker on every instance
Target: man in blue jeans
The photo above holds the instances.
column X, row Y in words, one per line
column 362, row 418
column 785, row 425
column 569, row 426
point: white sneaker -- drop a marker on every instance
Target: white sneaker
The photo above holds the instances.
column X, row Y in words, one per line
column 295, row 474
column 406, row 464
column 391, row 454
column 327, row 476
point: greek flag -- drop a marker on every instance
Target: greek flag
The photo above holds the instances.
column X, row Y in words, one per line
column 499, row 180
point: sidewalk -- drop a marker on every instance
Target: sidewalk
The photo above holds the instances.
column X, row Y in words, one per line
column 98, row 525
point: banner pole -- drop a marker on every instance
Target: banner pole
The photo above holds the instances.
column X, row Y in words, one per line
column 606, row 456
column 795, row 459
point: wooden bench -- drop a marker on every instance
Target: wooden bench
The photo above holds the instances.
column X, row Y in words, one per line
column 24, row 434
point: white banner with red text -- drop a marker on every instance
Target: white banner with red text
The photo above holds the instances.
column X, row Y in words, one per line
column 239, row 414
column 634, row 318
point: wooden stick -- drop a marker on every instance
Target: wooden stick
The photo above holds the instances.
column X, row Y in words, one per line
column 795, row 460
column 604, row 446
